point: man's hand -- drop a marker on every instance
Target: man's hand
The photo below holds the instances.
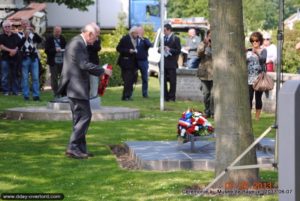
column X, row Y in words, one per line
column 28, row 31
column 13, row 52
column 187, row 48
column 167, row 49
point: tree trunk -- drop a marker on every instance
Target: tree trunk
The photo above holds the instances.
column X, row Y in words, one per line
column 232, row 108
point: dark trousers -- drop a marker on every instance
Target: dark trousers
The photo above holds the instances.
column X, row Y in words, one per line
column 55, row 72
column 129, row 77
column 207, row 86
column 81, row 114
column 9, row 79
column 258, row 96
column 170, row 77
column 143, row 66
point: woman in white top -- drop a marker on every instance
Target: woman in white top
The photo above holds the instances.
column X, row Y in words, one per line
column 271, row 52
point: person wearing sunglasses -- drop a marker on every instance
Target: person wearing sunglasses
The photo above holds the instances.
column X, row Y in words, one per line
column 256, row 60
column 271, row 52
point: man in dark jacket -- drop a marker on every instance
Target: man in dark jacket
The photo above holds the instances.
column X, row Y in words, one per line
column 143, row 45
column 54, row 48
column 10, row 43
column 172, row 50
column 75, row 83
column 127, row 61
column 93, row 50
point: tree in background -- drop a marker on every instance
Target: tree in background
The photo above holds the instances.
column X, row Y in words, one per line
column 79, row 4
column 264, row 14
column 232, row 110
column 188, row 8
column 258, row 14
column 120, row 30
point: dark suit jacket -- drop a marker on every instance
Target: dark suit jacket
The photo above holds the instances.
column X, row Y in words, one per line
column 175, row 48
column 50, row 49
column 93, row 52
column 76, row 69
column 126, row 59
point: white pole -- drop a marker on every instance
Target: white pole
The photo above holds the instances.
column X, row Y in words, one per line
column 280, row 37
column 162, row 53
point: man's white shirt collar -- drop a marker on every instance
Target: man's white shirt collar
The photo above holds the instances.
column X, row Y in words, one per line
column 83, row 40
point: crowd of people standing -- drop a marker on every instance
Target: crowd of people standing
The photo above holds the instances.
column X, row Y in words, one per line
column 20, row 59
column 75, row 68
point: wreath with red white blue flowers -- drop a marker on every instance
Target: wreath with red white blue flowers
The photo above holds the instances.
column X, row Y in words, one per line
column 193, row 122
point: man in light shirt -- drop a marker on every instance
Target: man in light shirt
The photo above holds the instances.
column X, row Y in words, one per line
column 192, row 43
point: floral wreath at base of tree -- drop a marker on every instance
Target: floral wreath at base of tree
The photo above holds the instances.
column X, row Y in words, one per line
column 193, row 122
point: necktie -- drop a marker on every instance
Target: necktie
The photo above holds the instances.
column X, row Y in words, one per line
column 166, row 39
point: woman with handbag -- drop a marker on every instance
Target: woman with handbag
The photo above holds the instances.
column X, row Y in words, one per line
column 256, row 59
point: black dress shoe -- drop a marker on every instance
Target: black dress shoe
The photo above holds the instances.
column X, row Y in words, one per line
column 76, row 154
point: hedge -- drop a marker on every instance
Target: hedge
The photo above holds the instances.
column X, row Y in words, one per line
column 110, row 57
column 291, row 56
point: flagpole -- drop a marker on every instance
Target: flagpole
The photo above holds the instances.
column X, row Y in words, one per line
column 162, row 67
column 279, row 67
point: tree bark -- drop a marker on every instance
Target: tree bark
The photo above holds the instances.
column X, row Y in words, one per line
column 232, row 109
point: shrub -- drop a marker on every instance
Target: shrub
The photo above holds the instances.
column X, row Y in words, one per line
column 111, row 57
column 112, row 40
column 43, row 68
column 291, row 57
column 149, row 32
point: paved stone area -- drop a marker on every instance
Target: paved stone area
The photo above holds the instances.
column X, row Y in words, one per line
column 169, row 155
column 45, row 113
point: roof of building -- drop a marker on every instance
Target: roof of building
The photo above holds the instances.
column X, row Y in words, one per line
column 293, row 18
column 27, row 12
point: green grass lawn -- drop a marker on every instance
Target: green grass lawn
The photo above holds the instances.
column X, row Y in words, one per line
column 32, row 154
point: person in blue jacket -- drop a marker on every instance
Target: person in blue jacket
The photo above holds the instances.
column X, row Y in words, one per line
column 143, row 45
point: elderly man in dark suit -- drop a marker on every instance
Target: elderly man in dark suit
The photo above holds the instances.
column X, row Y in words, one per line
column 127, row 48
column 172, row 50
column 75, row 83
column 54, row 47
